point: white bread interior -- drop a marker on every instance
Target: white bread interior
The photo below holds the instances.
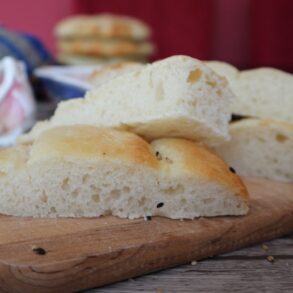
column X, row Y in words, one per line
column 261, row 148
column 261, row 92
column 175, row 97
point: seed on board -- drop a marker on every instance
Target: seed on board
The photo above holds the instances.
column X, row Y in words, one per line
column 194, row 262
column 264, row 247
column 39, row 251
column 232, row 170
column 160, row 204
column 147, row 218
column 270, row 258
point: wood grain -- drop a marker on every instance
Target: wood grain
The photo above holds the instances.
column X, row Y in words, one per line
column 85, row 253
column 249, row 273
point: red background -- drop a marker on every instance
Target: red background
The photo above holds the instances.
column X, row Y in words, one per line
column 246, row 33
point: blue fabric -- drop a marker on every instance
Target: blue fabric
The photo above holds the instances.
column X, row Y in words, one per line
column 24, row 47
column 60, row 91
column 39, row 47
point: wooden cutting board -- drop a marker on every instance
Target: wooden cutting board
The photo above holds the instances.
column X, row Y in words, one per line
column 64, row 255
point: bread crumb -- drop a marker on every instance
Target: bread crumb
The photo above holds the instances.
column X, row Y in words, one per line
column 168, row 160
column 265, row 247
column 270, row 258
column 194, row 262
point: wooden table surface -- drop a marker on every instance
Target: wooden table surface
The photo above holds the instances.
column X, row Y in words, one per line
column 245, row 270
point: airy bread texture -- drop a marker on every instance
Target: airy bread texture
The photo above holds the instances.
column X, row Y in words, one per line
column 262, row 92
column 102, row 25
column 107, row 72
column 105, row 48
column 84, row 171
column 260, row 147
column 176, row 97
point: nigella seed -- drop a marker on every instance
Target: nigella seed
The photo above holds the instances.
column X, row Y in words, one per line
column 158, row 155
column 232, row 170
column 160, row 204
column 39, row 251
column 149, row 218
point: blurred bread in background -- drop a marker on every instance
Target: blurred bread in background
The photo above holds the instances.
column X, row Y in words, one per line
column 103, row 37
column 103, row 25
column 261, row 92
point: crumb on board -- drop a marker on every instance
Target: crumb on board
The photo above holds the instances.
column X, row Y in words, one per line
column 39, row 251
column 147, row 218
column 270, row 258
column 194, row 262
column 265, row 247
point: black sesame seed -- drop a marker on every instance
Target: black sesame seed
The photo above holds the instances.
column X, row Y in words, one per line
column 158, row 155
column 160, row 204
column 236, row 117
column 232, row 170
column 149, row 218
column 39, row 251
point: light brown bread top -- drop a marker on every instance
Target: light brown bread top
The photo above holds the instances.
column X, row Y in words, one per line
column 105, row 48
column 193, row 158
column 91, row 143
column 103, row 25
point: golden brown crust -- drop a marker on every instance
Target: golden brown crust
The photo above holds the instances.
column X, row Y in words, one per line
column 92, row 143
column 203, row 163
column 105, row 48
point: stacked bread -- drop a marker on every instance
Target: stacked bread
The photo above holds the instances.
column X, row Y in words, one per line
column 262, row 143
column 102, row 38
column 134, row 147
